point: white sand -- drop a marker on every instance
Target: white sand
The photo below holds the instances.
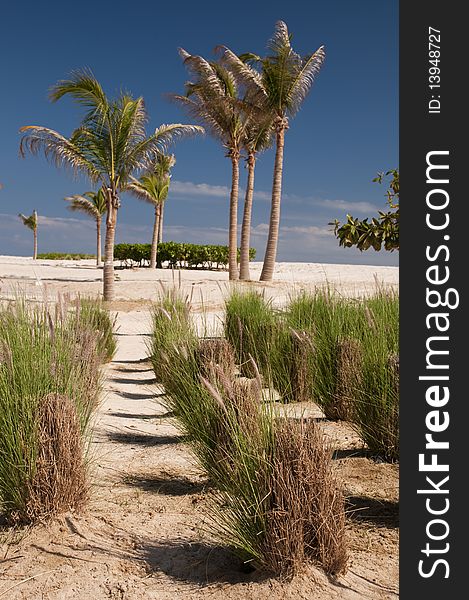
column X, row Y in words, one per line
column 205, row 288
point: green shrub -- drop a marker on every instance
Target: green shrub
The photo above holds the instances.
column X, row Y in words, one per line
column 177, row 255
column 376, row 407
column 49, row 383
column 65, row 256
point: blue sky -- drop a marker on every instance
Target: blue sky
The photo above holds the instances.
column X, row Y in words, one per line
column 346, row 131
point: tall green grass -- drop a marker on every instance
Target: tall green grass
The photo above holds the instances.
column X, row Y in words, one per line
column 325, row 348
column 44, row 355
column 376, row 408
column 257, row 333
column 92, row 314
column 275, row 500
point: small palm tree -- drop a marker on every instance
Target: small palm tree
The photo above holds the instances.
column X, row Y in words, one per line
column 212, row 99
column 281, row 87
column 109, row 146
column 94, row 205
column 31, row 223
column 153, row 187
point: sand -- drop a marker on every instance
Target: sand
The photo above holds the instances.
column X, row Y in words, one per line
column 142, row 535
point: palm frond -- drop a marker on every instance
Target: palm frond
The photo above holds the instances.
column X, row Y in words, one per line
column 165, row 135
column 84, row 88
column 280, row 42
column 91, row 203
column 59, row 150
column 30, row 222
column 201, row 68
column 304, row 78
column 244, row 73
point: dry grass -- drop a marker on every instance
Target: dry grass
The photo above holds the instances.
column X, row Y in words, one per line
column 59, row 482
column 307, row 514
column 349, row 369
column 302, row 366
column 215, row 351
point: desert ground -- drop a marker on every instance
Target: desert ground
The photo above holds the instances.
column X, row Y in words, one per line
column 143, row 533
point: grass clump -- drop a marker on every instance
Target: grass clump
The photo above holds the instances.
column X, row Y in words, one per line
column 257, row 333
column 92, row 314
column 376, row 408
column 355, row 342
column 275, row 500
column 49, row 386
column 335, row 351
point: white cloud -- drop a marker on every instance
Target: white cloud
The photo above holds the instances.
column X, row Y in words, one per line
column 349, row 207
column 187, row 188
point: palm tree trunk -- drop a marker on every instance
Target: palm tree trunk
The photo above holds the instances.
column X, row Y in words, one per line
column 108, row 270
column 35, row 244
column 98, row 241
column 154, row 239
column 233, row 224
column 272, row 240
column 160, row 228
column 246, row 227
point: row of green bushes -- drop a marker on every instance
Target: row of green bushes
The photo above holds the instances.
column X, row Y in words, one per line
column 64, row 256
column 340, row 353
column 50, row 382
column 176, row 254
column 275, row 499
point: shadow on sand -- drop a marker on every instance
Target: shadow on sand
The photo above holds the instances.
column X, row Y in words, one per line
column 381, row 513
column 143, row 439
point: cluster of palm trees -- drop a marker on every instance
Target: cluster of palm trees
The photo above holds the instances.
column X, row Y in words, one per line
column 244, row 101
column 152, row 187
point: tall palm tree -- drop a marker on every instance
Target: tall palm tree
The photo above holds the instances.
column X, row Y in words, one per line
column 212, row 99
column 108, row 146
column 281, row 87
column 31, row 223
column 94, row 205
column 153, row 187
column 258, row 137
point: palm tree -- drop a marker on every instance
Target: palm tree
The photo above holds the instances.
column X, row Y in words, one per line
column 258, row 137
column 94, row 205
column 109, row 146
column 31, row 223
column 281, row 87
column 213, row 100
column 153, row 187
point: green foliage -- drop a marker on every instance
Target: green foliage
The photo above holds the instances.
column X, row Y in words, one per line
column 64, row 256
column 93, row 315
column 42, row 351
column 340, row 353
column 177, row 255
column 381, row 232
column 29, row 222
column 91, row 203
column 263, row 506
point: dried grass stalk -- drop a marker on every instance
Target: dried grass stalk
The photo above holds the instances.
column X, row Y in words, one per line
column 59, row 482
column 393, row 363
column 308, row 510
column 349, row 369
column 302, row 372
column 215, row 351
